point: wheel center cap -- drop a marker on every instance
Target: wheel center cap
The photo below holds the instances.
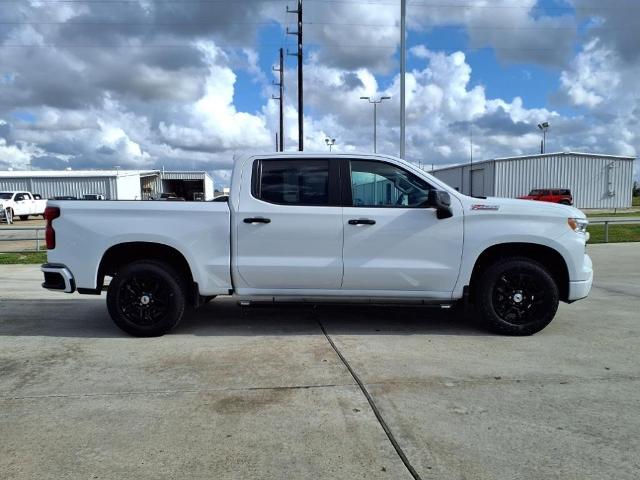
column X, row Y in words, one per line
column 518, row 297
column 145, row 299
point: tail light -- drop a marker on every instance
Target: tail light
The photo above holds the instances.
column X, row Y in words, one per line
column 50, row 214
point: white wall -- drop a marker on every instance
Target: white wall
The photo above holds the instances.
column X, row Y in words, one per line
column 128, row 187
column 595, row 182
column 208, row 187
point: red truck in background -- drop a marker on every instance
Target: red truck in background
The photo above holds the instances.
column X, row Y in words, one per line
column 553, row 195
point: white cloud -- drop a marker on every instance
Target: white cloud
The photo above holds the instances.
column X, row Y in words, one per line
column 593, row 76
column 212, row 123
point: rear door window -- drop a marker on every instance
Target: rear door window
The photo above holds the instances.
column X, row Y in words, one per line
column 293, row 182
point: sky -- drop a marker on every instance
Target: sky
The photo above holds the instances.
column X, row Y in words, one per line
column 188, row 84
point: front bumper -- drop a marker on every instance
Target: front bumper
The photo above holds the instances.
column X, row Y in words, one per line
column 581, row 288
column 58, row 277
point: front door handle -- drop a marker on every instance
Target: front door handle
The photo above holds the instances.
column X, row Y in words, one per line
column 257, row 220
column 362, row 221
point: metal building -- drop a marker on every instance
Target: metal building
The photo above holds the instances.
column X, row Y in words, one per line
column 596, row 181
column 189, row 185
column 112, row 184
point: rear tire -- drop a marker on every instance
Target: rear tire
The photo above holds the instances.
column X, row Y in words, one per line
column 24, row 217
column 516, row 296
column 146, row 298
column 565, row 202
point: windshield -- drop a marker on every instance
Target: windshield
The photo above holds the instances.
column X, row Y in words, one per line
column 6, row 195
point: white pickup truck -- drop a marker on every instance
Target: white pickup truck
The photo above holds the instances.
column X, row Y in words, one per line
column 323, row 225
column 20, row 204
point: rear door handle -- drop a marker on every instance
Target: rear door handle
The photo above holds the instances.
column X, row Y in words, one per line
column 362, row 221
column 257, row 220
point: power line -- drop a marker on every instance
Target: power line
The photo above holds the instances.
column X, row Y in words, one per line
column 342, row 46
column 312, row 24
column 594, row 6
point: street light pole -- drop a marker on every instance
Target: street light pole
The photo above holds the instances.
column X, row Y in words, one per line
column 375, row 119
column 544, row 127
column 375, row 128
column 330, row 143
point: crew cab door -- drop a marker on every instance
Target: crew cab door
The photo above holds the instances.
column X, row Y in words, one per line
column 391, row 241
column 289, row 225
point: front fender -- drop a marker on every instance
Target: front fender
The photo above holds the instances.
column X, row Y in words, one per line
column 484, row 232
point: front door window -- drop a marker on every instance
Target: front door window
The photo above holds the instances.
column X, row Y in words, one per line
column 378, row 184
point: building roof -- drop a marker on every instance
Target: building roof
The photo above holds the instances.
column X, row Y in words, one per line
column 538, row 155
column 98, row 173
column 73, row 173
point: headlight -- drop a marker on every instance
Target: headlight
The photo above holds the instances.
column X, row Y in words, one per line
column 578, row 225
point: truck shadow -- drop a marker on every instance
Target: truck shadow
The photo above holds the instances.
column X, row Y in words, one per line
column 88, row 318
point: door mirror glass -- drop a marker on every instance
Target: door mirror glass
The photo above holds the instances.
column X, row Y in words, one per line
column 441, row 201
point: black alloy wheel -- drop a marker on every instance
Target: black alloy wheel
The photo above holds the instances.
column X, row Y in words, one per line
column 146, row 299
column 517, row 296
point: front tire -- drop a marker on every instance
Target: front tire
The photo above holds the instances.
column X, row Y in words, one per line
column 24, row 217
column 516, row 296
column 146, row 298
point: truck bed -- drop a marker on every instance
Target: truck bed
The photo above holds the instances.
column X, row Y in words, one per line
column 198, row 230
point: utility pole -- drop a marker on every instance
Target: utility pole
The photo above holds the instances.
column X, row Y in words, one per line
column 298, row 11
column 403, row 72
column 281, row 98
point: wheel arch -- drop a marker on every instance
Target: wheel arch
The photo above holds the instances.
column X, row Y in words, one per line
column 116, row 256
column 547, row 256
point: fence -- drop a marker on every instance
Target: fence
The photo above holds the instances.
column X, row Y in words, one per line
column 7, row 235
column 615, row 221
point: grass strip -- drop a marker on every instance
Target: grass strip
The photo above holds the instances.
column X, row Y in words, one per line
column 617, row 233
column 23, row 258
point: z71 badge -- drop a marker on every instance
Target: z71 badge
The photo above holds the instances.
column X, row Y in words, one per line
column 479, row 206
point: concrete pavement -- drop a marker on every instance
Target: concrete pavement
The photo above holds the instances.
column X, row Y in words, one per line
column 259, row 393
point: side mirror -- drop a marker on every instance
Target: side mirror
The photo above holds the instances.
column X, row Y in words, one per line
column 441, row 201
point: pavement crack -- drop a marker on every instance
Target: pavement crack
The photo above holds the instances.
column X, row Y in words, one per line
column 372, row 404
column 170, row 392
